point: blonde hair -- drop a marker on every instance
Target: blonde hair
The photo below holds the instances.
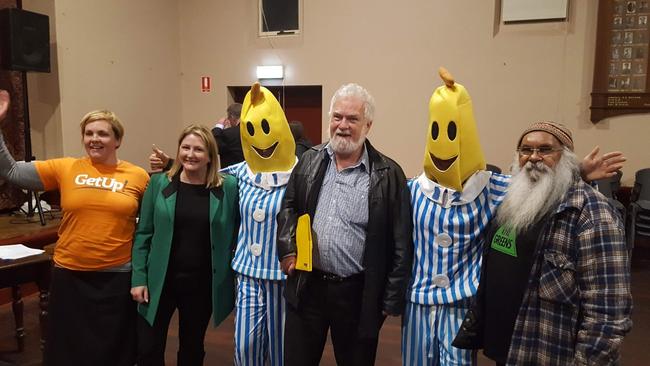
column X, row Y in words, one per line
column 213, row 177
column 103, row 115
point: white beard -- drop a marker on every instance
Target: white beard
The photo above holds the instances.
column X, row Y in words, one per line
column 345, row 146
column 535, row 190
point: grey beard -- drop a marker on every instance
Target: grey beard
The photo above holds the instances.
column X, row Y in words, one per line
column 535, row 190
column 344, row 146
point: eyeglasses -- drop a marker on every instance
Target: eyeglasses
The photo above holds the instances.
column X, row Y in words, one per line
column 541, row 151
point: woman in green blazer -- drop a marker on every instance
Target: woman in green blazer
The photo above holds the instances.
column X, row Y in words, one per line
column 182, row 250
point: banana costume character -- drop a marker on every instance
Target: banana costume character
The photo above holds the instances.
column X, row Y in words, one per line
column 269, row 152
column 452, row 135
column 453, row 200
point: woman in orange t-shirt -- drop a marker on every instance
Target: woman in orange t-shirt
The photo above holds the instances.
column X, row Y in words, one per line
column 91, row 316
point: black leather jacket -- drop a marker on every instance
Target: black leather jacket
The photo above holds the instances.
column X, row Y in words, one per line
column 388, row 247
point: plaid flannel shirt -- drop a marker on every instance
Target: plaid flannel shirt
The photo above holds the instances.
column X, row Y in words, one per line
column 576, row 308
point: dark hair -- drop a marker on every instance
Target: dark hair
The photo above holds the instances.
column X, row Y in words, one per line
column 234, row 111
column 297, row 129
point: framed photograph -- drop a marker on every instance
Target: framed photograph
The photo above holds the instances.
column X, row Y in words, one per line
column 627, row 52
column 612, row 83
column 628, row 37
column 639, row 68
column 626, row 67
column 631, row 7
column 618, row 22
column 638, row 82
column 621, row 85
column 643, row 6
column 640, row 52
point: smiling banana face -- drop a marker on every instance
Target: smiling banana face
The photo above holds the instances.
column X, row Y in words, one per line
column 265, row 135
column 453, row 151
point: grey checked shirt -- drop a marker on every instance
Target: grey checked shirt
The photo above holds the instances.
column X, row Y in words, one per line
column 341, row 217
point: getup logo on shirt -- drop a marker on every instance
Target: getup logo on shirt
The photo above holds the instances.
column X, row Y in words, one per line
column 99, row 182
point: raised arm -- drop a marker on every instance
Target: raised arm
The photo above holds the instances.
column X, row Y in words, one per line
column 20, row 173
column 594, row 167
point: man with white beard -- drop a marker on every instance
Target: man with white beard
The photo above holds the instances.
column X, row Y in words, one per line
column 555, row 285
column 358, row 203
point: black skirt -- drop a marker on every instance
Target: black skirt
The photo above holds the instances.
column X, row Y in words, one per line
column 91, row 319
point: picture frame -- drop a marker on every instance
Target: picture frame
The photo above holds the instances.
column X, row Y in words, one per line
column 621, row 83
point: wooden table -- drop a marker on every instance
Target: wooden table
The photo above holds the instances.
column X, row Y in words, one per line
column 14, row 273
column 28, row 231
column 37, row 269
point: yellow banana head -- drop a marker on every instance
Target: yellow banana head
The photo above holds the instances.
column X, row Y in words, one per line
column 453, row 151
column 265, row 135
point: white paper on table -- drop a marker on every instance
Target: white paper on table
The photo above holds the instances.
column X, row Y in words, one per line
column 17, row 251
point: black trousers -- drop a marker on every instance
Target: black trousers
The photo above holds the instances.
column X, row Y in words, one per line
column 192, row 296
column 327, row 305
column 91, row 319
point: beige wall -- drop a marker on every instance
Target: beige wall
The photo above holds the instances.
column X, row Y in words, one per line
column 120, row 55
column 44, row 97
column 141, row 57
column 515, row 73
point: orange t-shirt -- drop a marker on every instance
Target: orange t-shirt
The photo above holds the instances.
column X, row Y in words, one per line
column 100, row 204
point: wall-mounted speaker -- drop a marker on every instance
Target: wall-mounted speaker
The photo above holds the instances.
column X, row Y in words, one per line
column 24, row 40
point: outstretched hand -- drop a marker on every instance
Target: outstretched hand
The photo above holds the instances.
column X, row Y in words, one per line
column 4, row 104
column 596, row 167
column 158, row 160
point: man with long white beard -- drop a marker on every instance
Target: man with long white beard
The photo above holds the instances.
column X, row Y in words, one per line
column 555, row 285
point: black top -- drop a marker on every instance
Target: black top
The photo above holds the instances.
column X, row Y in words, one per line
column 302, row 145
column 229, row 143
column 190, row 252
column 388, row 265
column 507, row 271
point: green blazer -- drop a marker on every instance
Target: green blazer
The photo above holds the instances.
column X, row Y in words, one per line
column 153, row 239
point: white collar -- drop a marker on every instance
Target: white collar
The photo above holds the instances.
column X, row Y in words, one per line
column 269, row 180
column 447, row 196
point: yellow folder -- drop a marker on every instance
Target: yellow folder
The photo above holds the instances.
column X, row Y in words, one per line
column 304, row 243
